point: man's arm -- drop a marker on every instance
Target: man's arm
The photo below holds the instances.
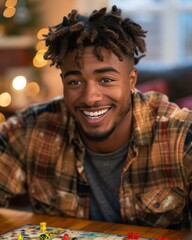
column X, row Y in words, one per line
column 188, row 158
column 13, row 144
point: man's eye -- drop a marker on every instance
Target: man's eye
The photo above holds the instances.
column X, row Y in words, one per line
column 74, row 82
column 106, row 80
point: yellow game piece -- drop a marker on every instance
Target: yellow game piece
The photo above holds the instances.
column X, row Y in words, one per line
column 20, row 237
column 43, row 226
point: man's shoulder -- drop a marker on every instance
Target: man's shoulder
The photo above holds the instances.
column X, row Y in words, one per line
column 154, row 111
column 173, row 112
column 164, row 109
column 55, row 105
column 52, row 110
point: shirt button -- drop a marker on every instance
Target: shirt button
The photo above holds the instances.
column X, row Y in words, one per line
column 54, row 198
column 137, row 195
column 157, row 205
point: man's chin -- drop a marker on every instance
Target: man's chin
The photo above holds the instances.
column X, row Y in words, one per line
column 97, row 136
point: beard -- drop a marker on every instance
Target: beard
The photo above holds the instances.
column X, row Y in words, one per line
column 98, row 136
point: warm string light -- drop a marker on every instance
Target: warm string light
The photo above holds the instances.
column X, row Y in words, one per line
column 19, row 83
column 31, row 89
column 10, row 8
column 5, row 99
column 2, row 117
column 38, row 60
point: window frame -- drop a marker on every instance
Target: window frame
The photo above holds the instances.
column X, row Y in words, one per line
column 169, row 10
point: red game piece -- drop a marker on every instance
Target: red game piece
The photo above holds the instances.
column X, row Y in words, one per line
column 160, row 238
column 66, row 236
column 130, row 235
column 136, row 235
column 133, row 235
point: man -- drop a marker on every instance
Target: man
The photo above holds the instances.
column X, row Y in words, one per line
column 106, row 151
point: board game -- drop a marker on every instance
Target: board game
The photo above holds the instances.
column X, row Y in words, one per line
column 43, row 232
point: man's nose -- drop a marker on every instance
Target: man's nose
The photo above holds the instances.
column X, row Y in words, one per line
column 92, row 93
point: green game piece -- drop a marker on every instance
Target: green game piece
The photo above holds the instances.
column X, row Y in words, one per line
column 45, row 236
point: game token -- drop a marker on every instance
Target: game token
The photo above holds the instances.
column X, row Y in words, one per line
column 45, row 236
column 130, row 235
column 66, row 236
column 161, row 238
column 135, row 235
column 43, row 226
column 20, row 237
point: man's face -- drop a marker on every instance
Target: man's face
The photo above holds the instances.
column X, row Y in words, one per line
column 98, row 95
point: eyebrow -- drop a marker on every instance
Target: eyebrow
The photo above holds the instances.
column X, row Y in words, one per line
column 72, row 72
column 105, row 69
column 96, row 71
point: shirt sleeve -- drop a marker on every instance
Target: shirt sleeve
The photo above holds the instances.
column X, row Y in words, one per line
column 188, row 157
column 13, row 144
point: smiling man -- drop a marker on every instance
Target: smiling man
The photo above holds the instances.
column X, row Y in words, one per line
column 98, row 97
column 104, row 151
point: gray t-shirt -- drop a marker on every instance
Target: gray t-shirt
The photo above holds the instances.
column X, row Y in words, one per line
column 103, row 172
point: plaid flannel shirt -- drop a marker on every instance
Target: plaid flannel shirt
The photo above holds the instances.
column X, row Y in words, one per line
column 41, row 154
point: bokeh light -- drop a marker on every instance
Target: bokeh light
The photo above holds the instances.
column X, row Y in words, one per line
column 40, row 55
column 9, row 12
column 2, row 117
column 41, row 32
column 32, row 89
column 19, row 82
column 41, row 45
column 11, row 3
column 38, row 60
column 5, row 99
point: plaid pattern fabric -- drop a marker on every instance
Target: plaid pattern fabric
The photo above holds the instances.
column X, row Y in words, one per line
column 41, row 153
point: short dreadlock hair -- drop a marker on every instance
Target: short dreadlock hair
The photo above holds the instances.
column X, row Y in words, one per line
column 123, row 37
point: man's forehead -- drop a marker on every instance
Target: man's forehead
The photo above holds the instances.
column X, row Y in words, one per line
column 88, row 57
column 88, row 51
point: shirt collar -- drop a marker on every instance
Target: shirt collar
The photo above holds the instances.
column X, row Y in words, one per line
column 145, row 115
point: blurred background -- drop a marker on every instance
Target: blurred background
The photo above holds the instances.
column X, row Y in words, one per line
column 26, row 78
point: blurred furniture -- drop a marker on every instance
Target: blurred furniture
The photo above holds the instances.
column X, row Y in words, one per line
column 175, row 81
column 16, row 51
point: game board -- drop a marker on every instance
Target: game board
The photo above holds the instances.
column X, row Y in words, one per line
column 33, row 232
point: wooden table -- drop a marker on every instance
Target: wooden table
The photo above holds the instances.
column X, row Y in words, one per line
column 10, row 219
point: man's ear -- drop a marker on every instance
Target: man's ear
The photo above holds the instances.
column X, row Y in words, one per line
column 133, row 78
column 61, row 75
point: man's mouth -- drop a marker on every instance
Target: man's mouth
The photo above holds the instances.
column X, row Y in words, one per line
column 95, row 114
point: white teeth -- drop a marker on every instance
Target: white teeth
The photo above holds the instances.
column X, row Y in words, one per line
column 95, row 114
